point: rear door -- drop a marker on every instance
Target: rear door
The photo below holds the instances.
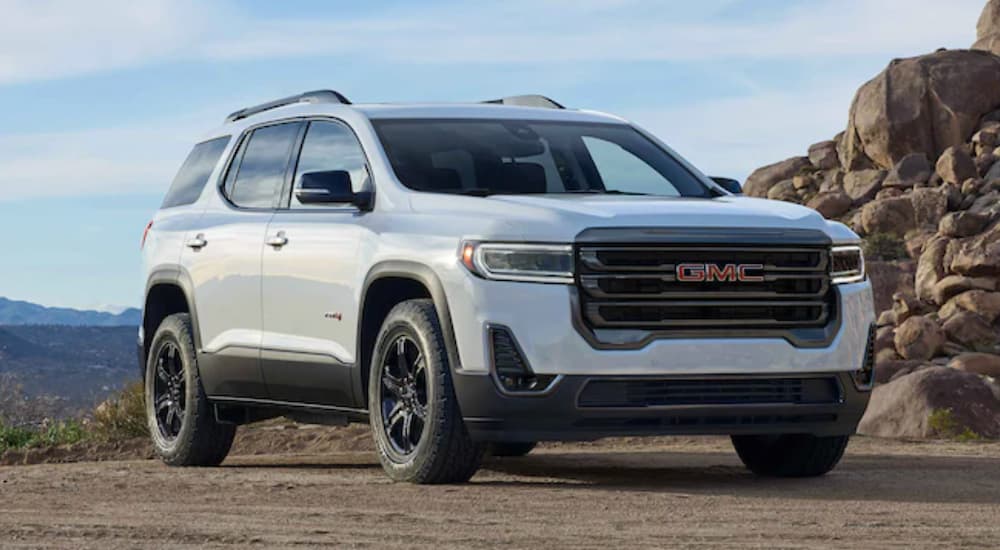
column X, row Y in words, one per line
column 223, row 257
column 310, row 278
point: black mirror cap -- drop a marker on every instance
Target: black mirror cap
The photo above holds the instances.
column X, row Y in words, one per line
column 328, row 187
column 729, row 184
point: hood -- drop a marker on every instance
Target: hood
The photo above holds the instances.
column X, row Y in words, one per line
column 560, row 217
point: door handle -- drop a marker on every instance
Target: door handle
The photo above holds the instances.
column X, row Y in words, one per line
column 278, row 240
column 197, row 243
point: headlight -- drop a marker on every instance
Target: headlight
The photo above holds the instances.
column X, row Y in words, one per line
column 847, row 264
column 536, row 263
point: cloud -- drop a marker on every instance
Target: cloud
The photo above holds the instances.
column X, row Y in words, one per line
column 59, row 38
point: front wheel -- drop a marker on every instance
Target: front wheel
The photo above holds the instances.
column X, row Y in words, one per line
column 415, row 419
column 181, row 420
column 790, row 455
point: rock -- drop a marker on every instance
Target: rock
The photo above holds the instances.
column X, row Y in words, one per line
column 978, row 255
column 929, row 206
column 905, row 406
column 862, row 185
column 914, row 242
column 956, row 165
column 832, row 181
column 957, row 284
column 892, row 216
column 887, row 370
column 886, row 319
column 783, row 191
column 994, row 171
column 930, row 267
column 986, row 138
column 971, row 186
column 983, row 302
column 802, row 181
column 763, row 179
column 988, row 28
column 921, row 104
column 918, row 338
column 984, row 161
column 888, row 193
column 972, row 331
column 823, row 155
column 884, row 338
column 831, row 205
column 912, row 170
column 984, row 364
column 906, row 305
column 888, row 278
column 962, row 224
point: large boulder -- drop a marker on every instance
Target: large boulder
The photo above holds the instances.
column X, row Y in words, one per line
column 956, row 165
column 972, row 331
column 982, row 302
column 933, row 402
column 985, row 364
column 979, row 255
column 957, row 284
column 862, row 185
column 921, row 104
column 913, row 169
column 894, row 216
column 918, row 338
column 988, row 28
column 831, row 205
column 929, row 206
column 930, row 267
column 763, row 179
column 823, row 155
column 962, row 224
column 889, row 279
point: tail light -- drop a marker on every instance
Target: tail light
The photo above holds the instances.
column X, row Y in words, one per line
column 145, row 234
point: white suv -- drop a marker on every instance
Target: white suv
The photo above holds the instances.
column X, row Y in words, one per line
column 477, row 278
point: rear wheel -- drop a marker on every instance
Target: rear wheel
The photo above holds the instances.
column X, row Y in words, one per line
column 512, row 449
column 181, row 420
column 416, row 422
column 790, row 455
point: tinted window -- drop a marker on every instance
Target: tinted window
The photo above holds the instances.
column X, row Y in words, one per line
column 518, row 157
column 330, row 146
column 194, row 173
column 262, row 171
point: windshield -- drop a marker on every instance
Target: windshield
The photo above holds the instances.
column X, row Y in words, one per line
column 484, row 157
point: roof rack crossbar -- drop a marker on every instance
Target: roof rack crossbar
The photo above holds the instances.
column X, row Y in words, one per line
column 316, row 96
column 531, row 100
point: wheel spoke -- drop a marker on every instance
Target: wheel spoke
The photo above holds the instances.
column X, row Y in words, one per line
column 161, row 403
column 395, row 415
column 161, row 371
column 169, row 421
column 393, row 384
column 401, row 363
column 408, row 430
column 420, row 411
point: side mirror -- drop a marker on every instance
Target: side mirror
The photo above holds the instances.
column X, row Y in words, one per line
column 729, row 184
column 331, row 187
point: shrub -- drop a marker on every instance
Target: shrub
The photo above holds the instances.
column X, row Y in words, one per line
column 48, row 435
column 122, row 416
column 944, row 424
column 884, row 247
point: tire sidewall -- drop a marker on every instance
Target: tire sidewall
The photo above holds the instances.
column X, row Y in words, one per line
column 174, row 331
column 401, row 467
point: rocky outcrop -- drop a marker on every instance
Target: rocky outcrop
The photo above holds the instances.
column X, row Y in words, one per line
column 988, row 28
column 763, row 179
column 934, row 402
column 923, row 104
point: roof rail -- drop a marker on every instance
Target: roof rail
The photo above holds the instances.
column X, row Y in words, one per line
column 317, row 96
column 532, row 100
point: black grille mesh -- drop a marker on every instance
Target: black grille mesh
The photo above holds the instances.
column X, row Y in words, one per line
column 710, row 391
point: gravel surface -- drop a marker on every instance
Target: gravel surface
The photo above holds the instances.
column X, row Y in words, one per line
column 618, row 494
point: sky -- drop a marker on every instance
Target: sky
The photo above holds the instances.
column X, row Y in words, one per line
column 100, row 101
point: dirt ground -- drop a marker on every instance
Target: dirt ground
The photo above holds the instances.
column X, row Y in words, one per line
column 325, row 488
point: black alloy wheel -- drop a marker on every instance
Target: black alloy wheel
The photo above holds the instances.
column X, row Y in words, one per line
column 404, row 395
column 169, row 392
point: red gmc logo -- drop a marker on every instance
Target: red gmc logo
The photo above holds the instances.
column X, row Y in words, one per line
column 700, row 273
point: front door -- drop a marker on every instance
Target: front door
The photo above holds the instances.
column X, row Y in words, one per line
column 310, row 268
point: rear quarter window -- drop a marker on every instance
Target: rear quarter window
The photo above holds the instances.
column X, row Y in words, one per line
column 194, row 173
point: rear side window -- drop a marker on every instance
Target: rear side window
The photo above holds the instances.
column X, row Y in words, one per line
column 194, row 173
column 262, row 172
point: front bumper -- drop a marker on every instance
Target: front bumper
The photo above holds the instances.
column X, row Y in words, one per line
column 559, row 415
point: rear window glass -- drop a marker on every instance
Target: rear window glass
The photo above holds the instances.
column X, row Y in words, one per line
column 194, row 173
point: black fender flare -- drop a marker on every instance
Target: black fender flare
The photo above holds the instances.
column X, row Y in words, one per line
column 173, row 275
column 423, row 274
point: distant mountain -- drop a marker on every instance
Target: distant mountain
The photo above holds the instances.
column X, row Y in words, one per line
column 79, row 365
column 25, row 313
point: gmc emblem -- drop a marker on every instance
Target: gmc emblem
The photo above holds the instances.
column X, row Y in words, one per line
column 701, row 273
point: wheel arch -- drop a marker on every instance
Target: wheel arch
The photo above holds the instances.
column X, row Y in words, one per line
column 169, row 290
column 409, row 280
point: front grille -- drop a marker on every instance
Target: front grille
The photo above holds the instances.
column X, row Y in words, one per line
column 641, row 287
column 709, row 391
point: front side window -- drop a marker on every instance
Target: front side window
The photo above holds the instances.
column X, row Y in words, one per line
column 261, row 173
column 194, row 173
column 330, row 146
column 484, row 157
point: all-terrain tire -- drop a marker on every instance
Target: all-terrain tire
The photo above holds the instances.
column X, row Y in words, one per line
column 790, row 455
column 512, row 449
column 445, row 452
column 201, row 440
